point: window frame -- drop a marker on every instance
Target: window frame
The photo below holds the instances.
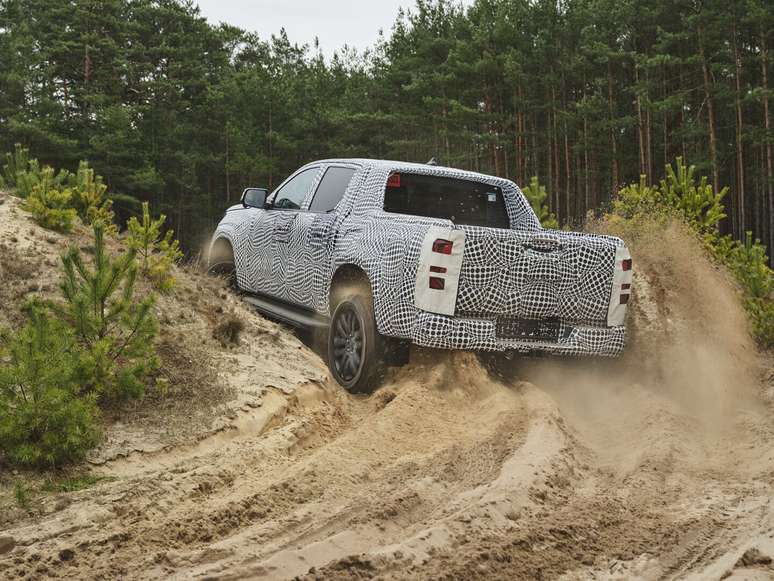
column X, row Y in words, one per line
column 354, row 170
column 273, row 196
column 410, row 171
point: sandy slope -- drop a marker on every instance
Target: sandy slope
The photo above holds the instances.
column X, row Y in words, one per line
column 656, row 466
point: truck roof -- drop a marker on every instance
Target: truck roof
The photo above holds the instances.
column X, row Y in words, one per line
column 409, row 166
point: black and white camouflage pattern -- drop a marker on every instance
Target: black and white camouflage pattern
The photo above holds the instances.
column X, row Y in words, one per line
column 526, row 272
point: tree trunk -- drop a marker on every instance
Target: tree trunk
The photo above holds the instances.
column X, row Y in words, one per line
column 555, row 139
column 271, row 153
column 640, row 130
column 228, row 172
column 586, row 164
column 707, row 76
column 767, row 125
column 739, row 152
column 648, row 145
column 567, row 209
column 613, row 143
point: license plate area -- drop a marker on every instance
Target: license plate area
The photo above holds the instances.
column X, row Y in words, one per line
column 546, row 330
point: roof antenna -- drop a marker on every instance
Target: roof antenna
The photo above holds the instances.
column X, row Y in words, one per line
column 432, row 161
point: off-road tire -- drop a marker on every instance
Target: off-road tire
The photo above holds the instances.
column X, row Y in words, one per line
column 355, row 347
column 222, row 265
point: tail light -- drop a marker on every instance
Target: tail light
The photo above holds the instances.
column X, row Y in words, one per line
column 438, row 269
column 626, row 264
column 393, row 181
column 442, row 246
column 437, row 283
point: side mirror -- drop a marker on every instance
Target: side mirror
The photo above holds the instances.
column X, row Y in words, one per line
column 254, row 197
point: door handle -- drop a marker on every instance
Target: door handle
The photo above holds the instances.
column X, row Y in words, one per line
column 544, row 243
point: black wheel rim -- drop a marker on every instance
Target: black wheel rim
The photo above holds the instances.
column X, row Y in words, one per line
column 348, row 344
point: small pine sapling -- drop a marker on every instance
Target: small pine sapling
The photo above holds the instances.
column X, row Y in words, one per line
column 50, row 206
column 89, row 198
column 44, row 422
column 156, row 253
column 15, row 162
column 22, row 173
column 537, row 197
column 114, row 329
column 698, row 202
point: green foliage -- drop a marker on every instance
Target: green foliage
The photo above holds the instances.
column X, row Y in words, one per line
column 676, row 195
column 89, row 198
column 699, row 204
column 156, row 253
column 749, row 264
column 25, row 174
column 538, row 198
column 56, row 369
column 15, row 163
column 114, row 329
column 74, row 483
column 21, row 494
column 51, row 208
column 43, row 419
column 680, row 196
column 56, row 199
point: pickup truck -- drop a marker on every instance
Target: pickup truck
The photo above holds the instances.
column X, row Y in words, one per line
column 384, row 254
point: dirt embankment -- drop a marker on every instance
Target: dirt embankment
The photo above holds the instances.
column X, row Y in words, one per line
column 658, row 465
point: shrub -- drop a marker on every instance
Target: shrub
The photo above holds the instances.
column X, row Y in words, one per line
column 43, row 420
column 89, row 197
column 14, row 163
column 537, row 196
column 114, row 330
column 748, row 262
column 697, row 204
column 56, row 198
column 51, row 207
column 23, row 174
column 676, row 195
column 156, row 253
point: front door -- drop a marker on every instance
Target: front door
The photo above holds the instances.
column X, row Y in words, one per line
column 308, row 269
column 273, row 239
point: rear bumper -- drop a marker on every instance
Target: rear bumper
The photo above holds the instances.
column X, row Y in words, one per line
column 443, row 332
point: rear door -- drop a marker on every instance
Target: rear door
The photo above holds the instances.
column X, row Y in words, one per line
column 308, row 268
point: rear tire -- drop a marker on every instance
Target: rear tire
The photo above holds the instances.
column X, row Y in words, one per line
column 355, row 347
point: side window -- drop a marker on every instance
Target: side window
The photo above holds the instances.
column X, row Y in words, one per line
column 292, row 194
column 331, row 188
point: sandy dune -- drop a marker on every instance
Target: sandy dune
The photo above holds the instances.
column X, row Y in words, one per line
column 656, row 466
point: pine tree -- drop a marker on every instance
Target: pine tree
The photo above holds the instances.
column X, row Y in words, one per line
column 89, row 198
column 156, row 253
column 44, row 421
column 537, row 196
column 114, row 328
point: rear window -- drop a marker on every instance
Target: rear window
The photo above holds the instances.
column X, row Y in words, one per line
column 463, row 202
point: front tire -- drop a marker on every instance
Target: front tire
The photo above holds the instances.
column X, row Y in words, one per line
column 221, row 263
column 355, row 348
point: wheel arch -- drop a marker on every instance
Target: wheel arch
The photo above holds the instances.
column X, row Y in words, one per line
column 347, row 275
column 220, row 247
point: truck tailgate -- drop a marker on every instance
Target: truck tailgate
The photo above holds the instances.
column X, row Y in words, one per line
column 541, row 275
